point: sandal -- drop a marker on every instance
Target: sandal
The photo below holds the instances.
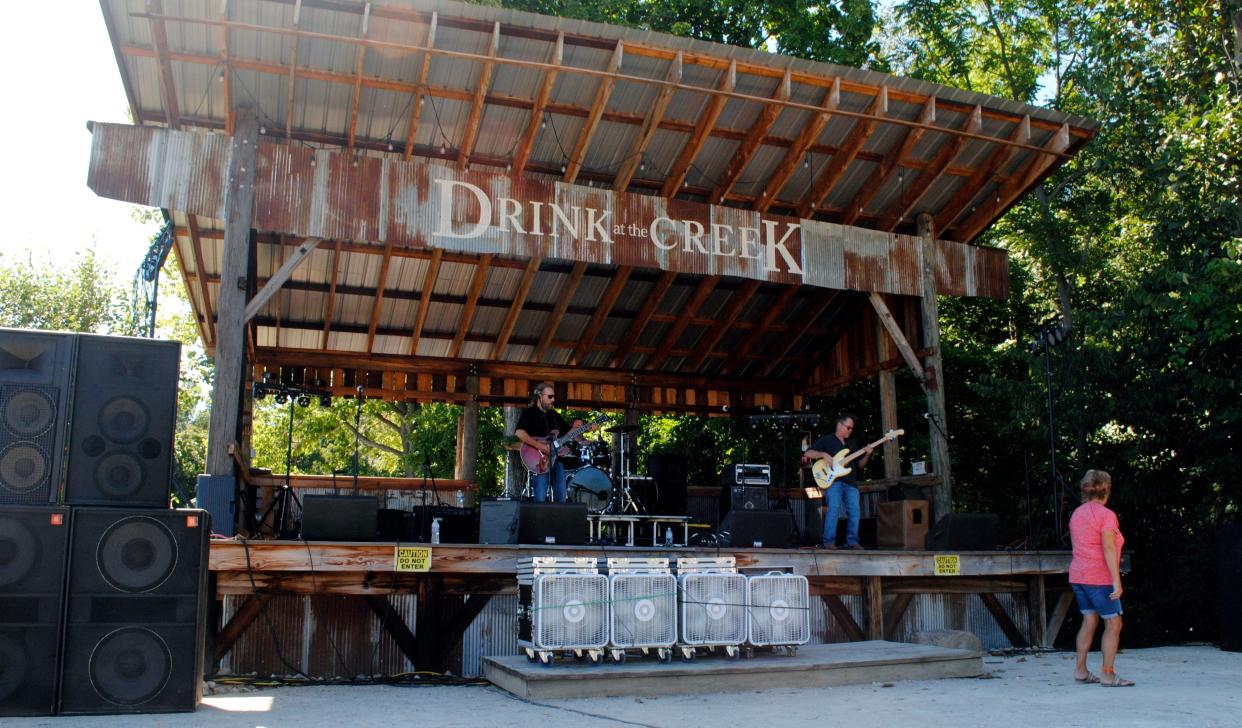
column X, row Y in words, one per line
column 1117, row 682
column 1090, row 679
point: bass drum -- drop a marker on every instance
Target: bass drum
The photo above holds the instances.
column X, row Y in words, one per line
column 591, row 486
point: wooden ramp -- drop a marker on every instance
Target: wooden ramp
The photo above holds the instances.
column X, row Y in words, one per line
column 813, row 666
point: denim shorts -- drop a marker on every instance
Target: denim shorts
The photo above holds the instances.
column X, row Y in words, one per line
column 1093, row 599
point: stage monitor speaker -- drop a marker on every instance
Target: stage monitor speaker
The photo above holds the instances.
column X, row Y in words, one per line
column 35, row 372
column 669, row 472
column 902, row 524
column 759, row 529
column 339, row 517
column 553, row 523
column 124, row 413
column 33, row 545
column 498, row 521
column 744, row 498
column 457, row 525
column 136, row 611
column 964, row 532
column 217, row 494
column 1229, row 585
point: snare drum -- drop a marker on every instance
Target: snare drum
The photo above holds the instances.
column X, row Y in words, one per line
column 591, row 486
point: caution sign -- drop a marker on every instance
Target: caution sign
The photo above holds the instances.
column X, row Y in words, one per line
column 948, row 564
column 413, row 558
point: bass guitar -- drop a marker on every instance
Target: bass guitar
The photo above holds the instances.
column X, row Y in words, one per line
column 539, row 463
column 827, row 470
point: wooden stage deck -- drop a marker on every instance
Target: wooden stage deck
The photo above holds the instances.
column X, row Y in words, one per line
column 462, row 578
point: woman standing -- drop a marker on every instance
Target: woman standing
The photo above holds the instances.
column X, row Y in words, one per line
column 1095, row 575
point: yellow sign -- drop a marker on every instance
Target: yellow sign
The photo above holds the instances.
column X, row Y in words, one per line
column 413, row 558
column 948, row 564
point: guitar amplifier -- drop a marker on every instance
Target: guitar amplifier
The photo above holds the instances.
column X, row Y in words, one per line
column 746, row 474
column 744, row 498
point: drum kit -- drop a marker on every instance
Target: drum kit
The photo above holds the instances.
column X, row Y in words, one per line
column 594, row 477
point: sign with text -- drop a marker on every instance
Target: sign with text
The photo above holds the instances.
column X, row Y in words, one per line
column 413, row 558
column 948, row 564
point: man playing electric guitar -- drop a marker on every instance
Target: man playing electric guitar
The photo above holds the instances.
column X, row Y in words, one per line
column 845, row 488
column 536, row 423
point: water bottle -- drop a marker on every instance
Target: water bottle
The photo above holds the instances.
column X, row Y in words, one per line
column 435, row 530
column 668, row 536
column 461, row 499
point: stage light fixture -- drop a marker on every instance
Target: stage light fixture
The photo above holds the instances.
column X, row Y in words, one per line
column 325, row 400
column 282, row 398
column 259, row 391
column 304, row 400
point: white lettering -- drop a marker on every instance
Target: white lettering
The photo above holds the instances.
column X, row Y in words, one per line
column 510, row 212
column 655, row 233
column 599, row 225
column 750, row 242
column 445, row 228
column 773, row 245
column 536, row 216
column 720, row 236
column 558, row 215
column 692, row 231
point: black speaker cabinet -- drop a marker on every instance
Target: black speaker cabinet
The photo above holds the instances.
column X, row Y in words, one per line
column 124, row 413
column 339, row 517
column 964, row 532
column 136, row 611
column 759, row 529
column 33, row 544
column 1229, row 585
column 668, row 470
column 553, row 523
column 744, row 498
column 498, row 521
column 35, row 373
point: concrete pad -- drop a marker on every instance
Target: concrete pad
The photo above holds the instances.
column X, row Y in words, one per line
column 813, row 666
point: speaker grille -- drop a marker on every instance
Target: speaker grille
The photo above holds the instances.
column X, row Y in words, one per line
column 130, row 666
column 137, row 554
column 27, row 443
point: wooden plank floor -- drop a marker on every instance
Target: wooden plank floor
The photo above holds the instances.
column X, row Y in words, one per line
column 812, row 666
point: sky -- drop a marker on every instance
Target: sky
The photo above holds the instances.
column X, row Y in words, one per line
column 60, row 72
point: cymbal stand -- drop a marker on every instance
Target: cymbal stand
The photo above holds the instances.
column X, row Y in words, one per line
column 622, row 500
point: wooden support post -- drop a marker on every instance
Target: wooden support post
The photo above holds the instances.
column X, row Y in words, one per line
column 427, row 638
column 1059, row 612
column 875, row 607
column 900, row 603
column 464, row 615
column 468, row 442
column 230, row 325
column 888, row 401
column 1038, row 606
column 515, row 473
column 393, row 624
column 1002, row 619
column 842, row 614
column 933, row 369
column 242, row 619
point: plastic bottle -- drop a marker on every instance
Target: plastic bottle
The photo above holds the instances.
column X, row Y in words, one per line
column 435, row 530
column 668, row 536
column 461, row 499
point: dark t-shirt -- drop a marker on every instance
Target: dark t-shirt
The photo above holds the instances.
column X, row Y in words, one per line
column 538, row 423
column 832, row 445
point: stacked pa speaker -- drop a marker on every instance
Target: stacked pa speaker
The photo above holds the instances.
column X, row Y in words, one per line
column 102, row 585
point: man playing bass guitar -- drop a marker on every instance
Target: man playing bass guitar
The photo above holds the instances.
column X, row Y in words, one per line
column 845, row 488
column 534, row 426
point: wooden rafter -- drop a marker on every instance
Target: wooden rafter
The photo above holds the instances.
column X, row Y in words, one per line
column 644, row 314
column 429, row 283
column 1015, row 187
column 896, row 335
column 515, row 309
column 841, row 161
column 480, row 93
column 892, row 161
column 902, row 207
column 274, row 283
column 558, row 313
column 196, row 247
column 416, row 103
column 814, row 310
column 678, row 327
column 754, row 138
column 359, row 64
column 329, row 305
column 522, row 155
column 806, row 138
column 966, row 191
column 602, row 310
column 378, row 305
column 168, row 89
column 677, row 173
column 606, row 84
column 293, row 68
column 472, row 300
column 724, row 321
column 778, row 307
column 650, row 125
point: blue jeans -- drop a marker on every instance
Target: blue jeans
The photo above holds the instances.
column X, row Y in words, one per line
column 832, row 500
column 540, row 483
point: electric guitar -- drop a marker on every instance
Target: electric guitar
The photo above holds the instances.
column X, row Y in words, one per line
column 539, row 463
column 827, row 470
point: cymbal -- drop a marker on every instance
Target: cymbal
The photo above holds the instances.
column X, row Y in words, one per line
column 622, row 428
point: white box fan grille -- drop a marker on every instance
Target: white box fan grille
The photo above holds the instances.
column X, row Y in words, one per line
column 713, row 609
column 570, row 612
column 644, row 610
column 779, row 610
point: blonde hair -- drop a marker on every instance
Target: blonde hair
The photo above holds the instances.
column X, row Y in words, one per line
column 1096, row 485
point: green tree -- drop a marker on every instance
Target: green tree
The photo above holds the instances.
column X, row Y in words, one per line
column 80, row 297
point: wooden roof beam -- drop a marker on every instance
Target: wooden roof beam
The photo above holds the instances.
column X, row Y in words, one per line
column 677, row 173
column 429, row 283
column 472, row 301
column 754, row 138
column 814, row 310
column 359, row 63
column 650, row 125
column 558, row 313
column 806, row 138
column 606, row 84
column 678, row 327
column 168, row 89
column 966, row 191
column 293, row 68
column 898, row 337
column 515, row 309
column 378, row 305
column 891, row 162
column 1015, row 187
column 282, row 275
column 640, row 319
column 842, row 160
column 724, row 321
column 602, row 311
column 778, row 307
column 196, row 247
column 522, row 155
column 420, row 89
column 330, row 304
column 480, row 93
column 905, row 204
